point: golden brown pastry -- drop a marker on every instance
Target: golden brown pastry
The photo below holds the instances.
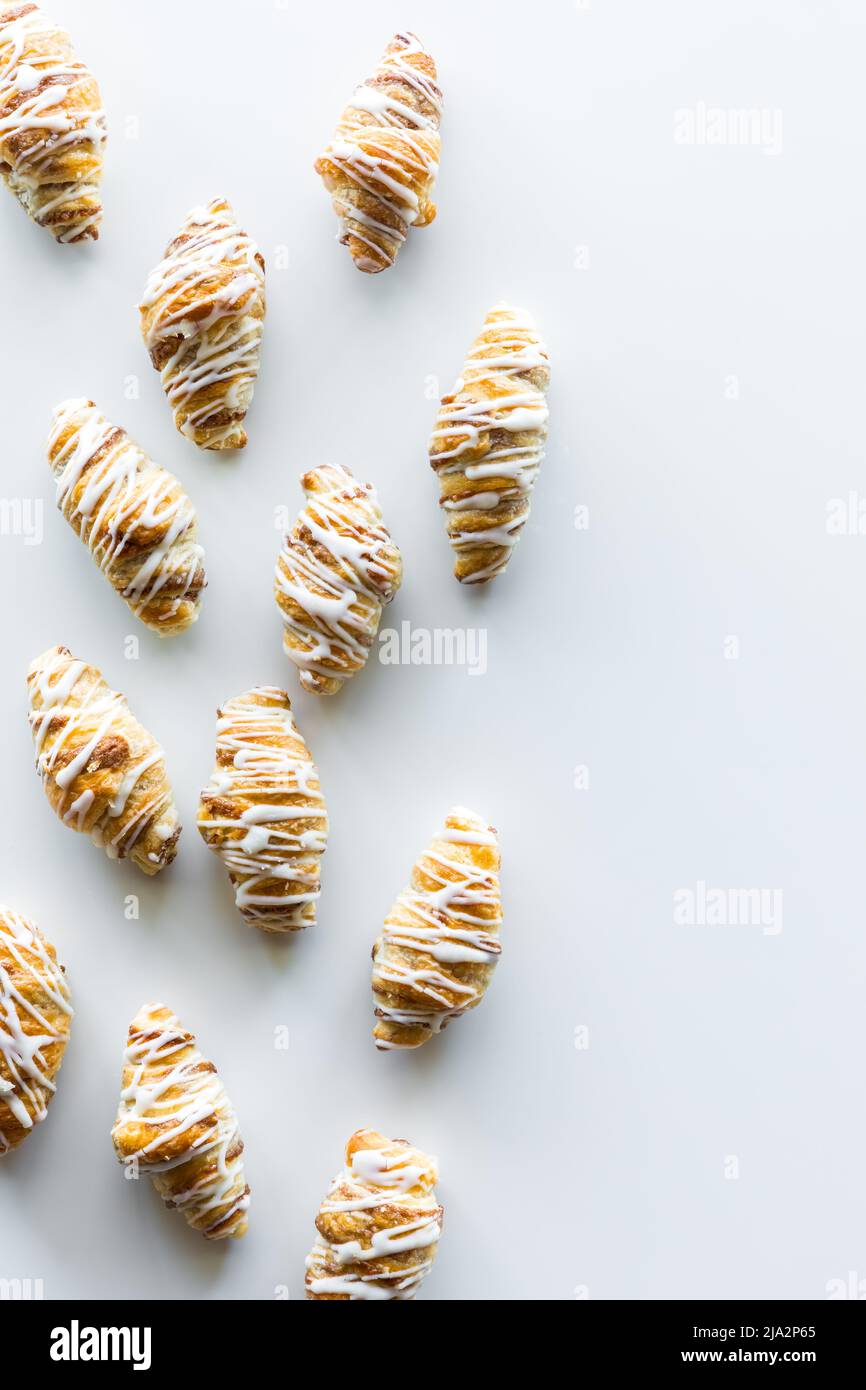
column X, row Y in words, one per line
column 381, row 165
column 132, row 514
column 52, row 125
column 437, row 953
column 35, row 1014
column 337, row 569
column 102, row 772
column 175, row 1123
column 488, row 443
column 264, row 813
column 379, row 1225
column 202, row 315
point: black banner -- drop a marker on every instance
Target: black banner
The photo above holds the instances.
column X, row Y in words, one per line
column 85, row 1338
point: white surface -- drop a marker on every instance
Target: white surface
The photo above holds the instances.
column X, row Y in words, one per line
column 561, row 1168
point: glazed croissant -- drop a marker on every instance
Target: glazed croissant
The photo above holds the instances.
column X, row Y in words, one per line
column 264, row 812
column 202, row 314
column 35, row 1014
column 379, row 1225
column 337, row 568
column 176, row 1124
column 488, row 443
column 102, row 772
column 381, row 165
column 435, row 958
column 133, row 516
column 52, row 125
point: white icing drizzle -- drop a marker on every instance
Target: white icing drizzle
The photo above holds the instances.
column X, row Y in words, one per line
column 72, row 708
column 115, row 498
column 454, row 923
column 395, row 1176
column 336, row 570
column 170, row 1089
column 267, row 779
column 30, row 980
column 202, row 319
column 386, row 147
column 46, row 91
column 492, row 429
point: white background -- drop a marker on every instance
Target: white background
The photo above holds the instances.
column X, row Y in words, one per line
column 706, row 334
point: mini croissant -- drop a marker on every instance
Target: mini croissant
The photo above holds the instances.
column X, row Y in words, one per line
column 379, row 1225
column 52, row 125
column 488, row 443
column 337, row 568
column 133, row 516
column 176, row 1124
column 436, row 956
column 381, row 165
column 35, row 1014
column 102, row 772
column 264, row 812
column 202, row 314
